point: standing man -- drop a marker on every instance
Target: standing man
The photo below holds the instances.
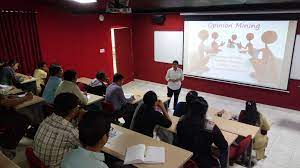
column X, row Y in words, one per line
column 174, row 77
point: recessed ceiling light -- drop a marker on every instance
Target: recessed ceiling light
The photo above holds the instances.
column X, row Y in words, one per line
column 85, row 1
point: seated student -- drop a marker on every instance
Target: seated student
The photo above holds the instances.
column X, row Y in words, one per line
column 181, row 107
column 40, row 74
column 55, row 72
column 195, row 133
column 93, row 135
column 56, row 135
column 12, row 124
column 147, row 117
column 69, row 86
column 115, row 95
column 251, row 116
column 8, row 74
column 98, row 85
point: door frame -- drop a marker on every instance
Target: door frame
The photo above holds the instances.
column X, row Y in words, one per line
column 114, row 54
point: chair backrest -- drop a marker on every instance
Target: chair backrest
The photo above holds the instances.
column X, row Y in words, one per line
column 82, row 86
column 33, row 161
column 179, row 109
column 97, row 90
column 107, row 107
column 190, row 164
column 134, row 115
column 48, row 109
column 244, row 144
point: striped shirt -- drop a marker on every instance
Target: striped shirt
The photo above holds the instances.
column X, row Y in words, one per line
column 54, row 138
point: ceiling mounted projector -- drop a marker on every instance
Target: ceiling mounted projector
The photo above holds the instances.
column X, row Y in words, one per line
column 118, row 6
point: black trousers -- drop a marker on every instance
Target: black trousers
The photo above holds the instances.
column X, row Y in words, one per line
column 12, row 128
column 176, row 95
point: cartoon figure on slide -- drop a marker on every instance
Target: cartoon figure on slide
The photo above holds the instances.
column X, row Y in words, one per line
column 231, row 42
column 215, row 45
column 266, row 68
column 202, row 58
column 249, row 48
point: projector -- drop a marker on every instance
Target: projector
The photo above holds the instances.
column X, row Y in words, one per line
column 118, row 6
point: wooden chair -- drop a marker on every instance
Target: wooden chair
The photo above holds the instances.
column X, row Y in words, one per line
column 33, row 161
column 237, row 150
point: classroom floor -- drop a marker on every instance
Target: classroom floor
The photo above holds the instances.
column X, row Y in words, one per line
column 283, row 150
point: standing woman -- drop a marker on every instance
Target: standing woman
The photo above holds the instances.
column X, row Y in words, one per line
column 174, row 77
column 252, row 117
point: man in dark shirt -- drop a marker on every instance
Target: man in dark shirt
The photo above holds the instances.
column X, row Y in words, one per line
column 148, row 117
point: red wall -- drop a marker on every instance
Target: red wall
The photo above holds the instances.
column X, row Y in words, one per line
column 147, row 69
column 74, row 41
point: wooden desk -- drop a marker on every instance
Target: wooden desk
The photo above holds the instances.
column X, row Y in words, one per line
column 93, row 98
column 213, row 112
column 232, row 126
column 224, row 124
column 6, row 163
column 236, row 127
column 9, row 90
column 137, row 99
column 230, row 137
column 14, row 91
column 84, row 80
column 27, row 79
column 138, row 95
column 175, row 157
column 35, row 100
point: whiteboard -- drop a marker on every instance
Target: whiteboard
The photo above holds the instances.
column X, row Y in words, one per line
column 168, row 46
column 295, row 74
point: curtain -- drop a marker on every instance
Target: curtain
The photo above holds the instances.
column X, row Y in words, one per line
column 19, row 39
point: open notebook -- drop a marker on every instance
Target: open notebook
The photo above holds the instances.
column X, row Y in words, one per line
column 142, row 154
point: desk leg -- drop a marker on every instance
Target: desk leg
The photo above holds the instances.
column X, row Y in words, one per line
column 250, row 154
column 166, row 105
column 228, row 152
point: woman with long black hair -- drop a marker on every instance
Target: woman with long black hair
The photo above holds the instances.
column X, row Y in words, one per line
column 195, row 133
column 148, row 116
column 251, row 116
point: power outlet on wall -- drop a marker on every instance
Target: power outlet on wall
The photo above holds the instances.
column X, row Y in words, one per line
column 102, row 50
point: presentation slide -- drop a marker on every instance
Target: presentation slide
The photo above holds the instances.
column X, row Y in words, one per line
column 248, row 52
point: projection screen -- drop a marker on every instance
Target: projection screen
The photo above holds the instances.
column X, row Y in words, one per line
column 256, row 53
